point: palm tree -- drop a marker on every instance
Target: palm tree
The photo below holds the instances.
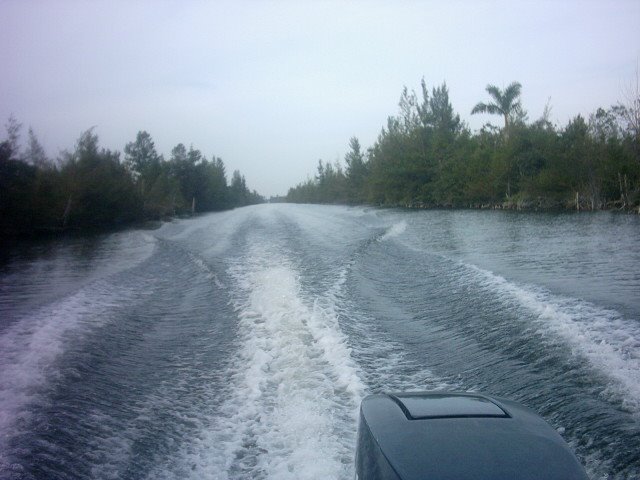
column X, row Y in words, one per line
column 505, row 103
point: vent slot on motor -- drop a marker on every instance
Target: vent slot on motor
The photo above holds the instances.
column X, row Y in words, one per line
column 418, row 406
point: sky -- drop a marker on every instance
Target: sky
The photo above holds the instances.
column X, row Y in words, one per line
column 271, row 87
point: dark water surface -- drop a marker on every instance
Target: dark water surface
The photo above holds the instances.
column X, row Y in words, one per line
column 239, row 344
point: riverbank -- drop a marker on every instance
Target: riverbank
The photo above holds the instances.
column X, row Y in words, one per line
column 540, row 204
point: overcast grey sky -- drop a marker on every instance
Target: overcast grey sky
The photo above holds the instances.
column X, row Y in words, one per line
column 271, row 87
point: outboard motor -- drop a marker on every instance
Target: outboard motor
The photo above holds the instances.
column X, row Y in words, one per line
column 458, row 436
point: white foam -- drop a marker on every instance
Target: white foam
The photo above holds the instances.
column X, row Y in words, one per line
column 326, row 226
column 610, row 342
column 212, row 234
column 395, row 230
column 386, row 364
column 294, row 389
column 30, row 347
column 202, row 265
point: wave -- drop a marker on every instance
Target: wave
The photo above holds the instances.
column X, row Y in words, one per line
column 384, row 363
column 294, row 390
column 395, row 230
column 610, row 342
column 33, row 342
column 207, row 269
column 30, row 348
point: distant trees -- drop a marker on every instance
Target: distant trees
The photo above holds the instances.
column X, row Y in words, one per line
column 141, row 157
column 90, row 187
column 238, row 189
column 160, row 191
column 330, row 185
column 629, row 115
column 17, row 182
column 356, row 172
column 505, row 103
column 426, row 157
column 98, row 188
column 34, row 153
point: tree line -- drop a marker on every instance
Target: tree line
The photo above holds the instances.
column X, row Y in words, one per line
column 93, row 188
column 426, row 156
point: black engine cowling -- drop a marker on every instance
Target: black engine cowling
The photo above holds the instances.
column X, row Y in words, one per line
column 442, row 435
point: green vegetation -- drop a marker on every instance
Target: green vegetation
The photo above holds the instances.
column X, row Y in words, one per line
column 91, row 188
column 505, row 103
column 426, row 157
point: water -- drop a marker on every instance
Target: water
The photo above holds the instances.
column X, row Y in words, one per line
column 239, row 344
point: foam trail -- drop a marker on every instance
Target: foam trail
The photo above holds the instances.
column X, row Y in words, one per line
column 294, row 390
column 30, row 347
column 384, row 363
column 610, row 342
column 202, row 265
column 395, row 230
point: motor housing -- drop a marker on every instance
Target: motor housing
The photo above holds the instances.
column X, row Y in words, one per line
column 453, row 435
